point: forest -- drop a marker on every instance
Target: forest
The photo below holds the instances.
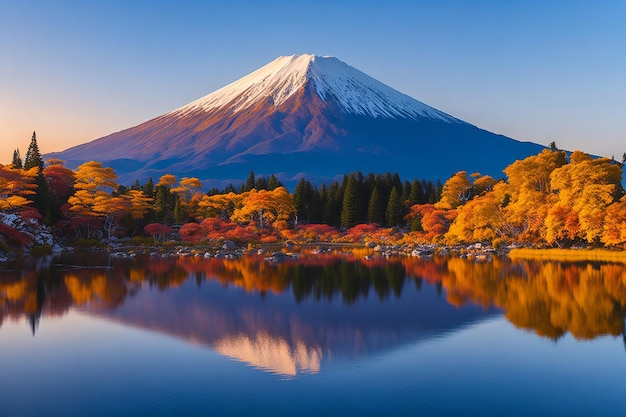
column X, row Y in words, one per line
column 552, row 199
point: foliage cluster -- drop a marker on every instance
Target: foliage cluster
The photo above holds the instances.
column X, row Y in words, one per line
column 550, row 199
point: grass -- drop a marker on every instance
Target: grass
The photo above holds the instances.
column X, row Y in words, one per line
column 569, row 255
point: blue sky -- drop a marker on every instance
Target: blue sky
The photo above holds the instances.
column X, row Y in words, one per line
column 536, row 71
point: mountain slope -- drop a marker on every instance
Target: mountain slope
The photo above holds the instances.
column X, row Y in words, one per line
column 301, row 115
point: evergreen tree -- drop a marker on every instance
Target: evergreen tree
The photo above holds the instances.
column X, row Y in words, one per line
column 302, row 200
column 178, row 215
column 250, row 182
column 438, row 190
column 349, row 210
column 431, row 192
column 394, row 208
column 164, row 203
column 374, row 212
column 273, row 183
column 363, row 198
column 17, row 159
column 42, row 199
column 33, row 156
column 332, row 208
column 406, row 192
column 148, row 188
column 316, row 205
column 416, row 196
column 260, row 184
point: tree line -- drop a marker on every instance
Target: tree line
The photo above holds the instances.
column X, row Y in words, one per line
column 553, row 198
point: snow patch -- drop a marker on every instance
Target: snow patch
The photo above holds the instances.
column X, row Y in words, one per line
column 355, row 91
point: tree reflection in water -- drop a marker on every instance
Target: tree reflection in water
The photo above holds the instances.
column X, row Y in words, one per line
column 550, row 298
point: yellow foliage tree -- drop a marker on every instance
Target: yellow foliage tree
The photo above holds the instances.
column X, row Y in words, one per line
column 581, row 191
column 614, row 229
column 15, row 185
column 220, row 205
column 93, row 196
column 456, row 191
column 265, row 206
column 528, row 191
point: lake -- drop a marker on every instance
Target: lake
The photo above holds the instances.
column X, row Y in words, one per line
column 330, row 333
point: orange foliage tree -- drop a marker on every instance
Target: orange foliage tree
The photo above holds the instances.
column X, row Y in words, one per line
column 265, row 206
column 15, row 186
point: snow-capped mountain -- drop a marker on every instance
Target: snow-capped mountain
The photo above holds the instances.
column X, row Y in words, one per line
column 301, row 115
column 287, row 76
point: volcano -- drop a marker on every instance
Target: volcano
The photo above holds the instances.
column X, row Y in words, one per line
column 301, row 116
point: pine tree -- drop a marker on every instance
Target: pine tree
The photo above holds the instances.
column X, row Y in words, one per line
column 273, row 183
column 406, row 192
column 394, row 208
column 249, row 185
column 148, row 188
column 416, row 196
column 164, row 204
column 301, row 200
column 374, row 212
column 33, row 156
column 178, row 216
column 349, row 211
column 17, row 159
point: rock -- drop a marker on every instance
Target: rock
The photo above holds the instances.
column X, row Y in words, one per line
column 229, row 245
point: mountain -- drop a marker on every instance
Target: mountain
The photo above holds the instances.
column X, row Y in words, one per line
column 301, row 115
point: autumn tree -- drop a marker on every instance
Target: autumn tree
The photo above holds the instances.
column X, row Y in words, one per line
column 219, row 205
column 614, row 228
column 60, row 182
column 528, row 192
column 16, row 185
column 93, row 199
column 581, row 191
column 456, row 191
column 265, row 206
column 158, row 231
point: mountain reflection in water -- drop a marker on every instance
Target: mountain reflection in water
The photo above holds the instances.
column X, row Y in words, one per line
column 291, row 317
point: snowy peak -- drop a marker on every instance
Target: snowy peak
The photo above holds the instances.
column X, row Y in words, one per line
column 332, row 79
column 358, row 93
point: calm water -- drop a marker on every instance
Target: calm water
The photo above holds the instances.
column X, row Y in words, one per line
column 330, row 334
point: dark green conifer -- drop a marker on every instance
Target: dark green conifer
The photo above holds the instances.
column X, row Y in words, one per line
column 301, row 200
column 406, row 191
column 17, row 159
column 394, row 208
column 416, row 196
column 273, row 183
column 374, row 212
column 33, row 156
column 349, row 210
column 250, row 182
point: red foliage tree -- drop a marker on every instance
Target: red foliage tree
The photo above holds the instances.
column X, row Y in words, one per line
column 158, row 231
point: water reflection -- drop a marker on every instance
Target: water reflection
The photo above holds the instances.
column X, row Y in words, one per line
column 291, row 317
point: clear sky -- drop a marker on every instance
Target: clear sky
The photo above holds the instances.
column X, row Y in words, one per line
column 539, row 71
